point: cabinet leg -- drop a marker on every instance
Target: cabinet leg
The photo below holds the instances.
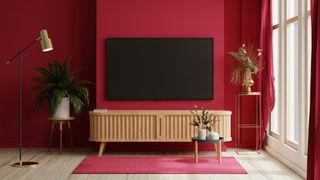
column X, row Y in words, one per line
column 102, row 147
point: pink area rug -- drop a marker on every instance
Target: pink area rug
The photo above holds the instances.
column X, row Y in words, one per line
column 158, row 165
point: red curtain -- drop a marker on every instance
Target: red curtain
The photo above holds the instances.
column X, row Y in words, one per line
column 313, row 166
column 266, row 76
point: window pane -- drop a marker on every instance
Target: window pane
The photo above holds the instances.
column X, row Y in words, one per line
column 292, row 82
column 275, row 12
column 308, row 78
column 275, row 116
column 292, row 8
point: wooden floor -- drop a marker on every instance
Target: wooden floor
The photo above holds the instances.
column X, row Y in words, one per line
column 56, row 166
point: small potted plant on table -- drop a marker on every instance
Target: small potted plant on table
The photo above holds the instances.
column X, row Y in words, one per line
column 205, row 122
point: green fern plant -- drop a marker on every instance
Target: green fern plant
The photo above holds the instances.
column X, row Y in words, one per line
column 58, row 81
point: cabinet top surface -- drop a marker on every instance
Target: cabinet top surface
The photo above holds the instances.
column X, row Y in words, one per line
column 155, row 112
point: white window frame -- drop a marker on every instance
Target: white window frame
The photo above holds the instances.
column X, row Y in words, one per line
column 292, row 153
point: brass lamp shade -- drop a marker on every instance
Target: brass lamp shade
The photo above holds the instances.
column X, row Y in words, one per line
column 45, row 41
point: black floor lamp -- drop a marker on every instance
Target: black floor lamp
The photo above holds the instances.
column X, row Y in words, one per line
column 46, row 46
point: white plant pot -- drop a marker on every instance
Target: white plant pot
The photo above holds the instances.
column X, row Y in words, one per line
column 213, row 135
column 202, row 134
column 63, row 110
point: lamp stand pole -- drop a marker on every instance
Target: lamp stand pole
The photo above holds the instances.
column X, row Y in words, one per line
column 46, row 46
column 21, row 163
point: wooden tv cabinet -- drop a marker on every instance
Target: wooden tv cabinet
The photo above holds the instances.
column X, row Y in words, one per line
column 150, row 126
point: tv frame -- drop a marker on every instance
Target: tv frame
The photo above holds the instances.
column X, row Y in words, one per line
column 160, row 99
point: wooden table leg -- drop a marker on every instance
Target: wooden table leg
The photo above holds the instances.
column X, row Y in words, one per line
column 50, row 137
column 70, row 134
column 102, row 147
column 60, row 123
column 196, row 150
column 219, row 151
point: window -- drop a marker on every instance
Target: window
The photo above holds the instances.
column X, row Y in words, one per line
column 291, row 57
column 292, row 80
column 291, row 33
column 308, row 72
column 275, row 115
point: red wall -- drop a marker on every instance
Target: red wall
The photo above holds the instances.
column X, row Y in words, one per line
column 242, row 25
column 75, row 30
column 232, row 40
column 161, row 18
column 71, row 27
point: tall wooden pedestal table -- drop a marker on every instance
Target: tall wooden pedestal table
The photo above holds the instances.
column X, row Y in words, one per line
column 60, row 121
column 217, row 144
column 256, row 124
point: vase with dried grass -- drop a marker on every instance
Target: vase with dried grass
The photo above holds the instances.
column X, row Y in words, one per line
column 247, row 64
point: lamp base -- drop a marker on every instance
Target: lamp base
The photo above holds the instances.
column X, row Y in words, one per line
column 25, row 164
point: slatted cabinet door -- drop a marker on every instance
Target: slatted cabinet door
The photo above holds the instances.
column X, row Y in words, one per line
column 123, row 128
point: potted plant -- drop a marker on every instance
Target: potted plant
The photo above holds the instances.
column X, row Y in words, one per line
column 59, row 88
column 204, row 121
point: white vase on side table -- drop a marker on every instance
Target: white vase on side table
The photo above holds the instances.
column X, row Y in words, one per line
column 202, row 133
column 213, row 135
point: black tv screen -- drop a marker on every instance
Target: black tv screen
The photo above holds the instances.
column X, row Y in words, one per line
column 159, row 68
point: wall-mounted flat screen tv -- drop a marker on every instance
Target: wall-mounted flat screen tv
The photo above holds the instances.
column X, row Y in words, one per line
column 159, row 68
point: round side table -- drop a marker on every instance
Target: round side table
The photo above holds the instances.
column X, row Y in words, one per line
column 60, row 121
column 216, row 142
